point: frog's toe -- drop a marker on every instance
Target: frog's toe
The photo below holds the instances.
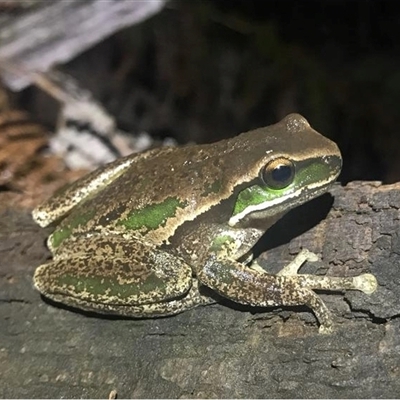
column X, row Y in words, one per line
column 367, row 283
column 326, row 329
column 293, row 267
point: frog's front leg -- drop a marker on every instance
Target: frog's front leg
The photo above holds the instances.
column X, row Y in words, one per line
column 110, row 274
column 251, row 286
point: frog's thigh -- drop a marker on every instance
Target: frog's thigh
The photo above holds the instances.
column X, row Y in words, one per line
column 114, row 274
column 191, row 299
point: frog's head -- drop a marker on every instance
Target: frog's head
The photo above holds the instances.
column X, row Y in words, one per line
column 294, row 164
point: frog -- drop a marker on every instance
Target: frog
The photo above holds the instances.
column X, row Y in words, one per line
column 156, row 233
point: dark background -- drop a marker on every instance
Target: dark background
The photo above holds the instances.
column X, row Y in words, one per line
column 204, row 70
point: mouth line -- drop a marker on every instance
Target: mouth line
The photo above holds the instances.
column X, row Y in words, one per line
column 315, row 190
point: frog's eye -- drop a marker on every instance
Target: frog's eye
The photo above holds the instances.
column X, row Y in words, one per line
column 278, row 173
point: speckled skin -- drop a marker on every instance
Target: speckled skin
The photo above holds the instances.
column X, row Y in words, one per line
column 143, row 235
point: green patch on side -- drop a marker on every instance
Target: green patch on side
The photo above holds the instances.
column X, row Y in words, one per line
column 221, row 242
column 153, row 216
column 101, row 288
column 64, row 232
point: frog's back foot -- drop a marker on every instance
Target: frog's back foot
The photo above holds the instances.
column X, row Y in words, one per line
column 255, row 287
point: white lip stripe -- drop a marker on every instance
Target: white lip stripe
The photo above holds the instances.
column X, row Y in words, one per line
column 268, row 204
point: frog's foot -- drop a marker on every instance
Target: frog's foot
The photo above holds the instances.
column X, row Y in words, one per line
column 310, row 299
column 293, row 267
column 365, row 283
column 258, row 288
column 325, row 330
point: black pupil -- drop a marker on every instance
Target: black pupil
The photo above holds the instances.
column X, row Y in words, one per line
column 281, row 173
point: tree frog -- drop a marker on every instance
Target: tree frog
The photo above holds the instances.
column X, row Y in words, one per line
column 157, row 233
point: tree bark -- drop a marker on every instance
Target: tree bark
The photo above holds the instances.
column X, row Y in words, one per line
column 222, row 350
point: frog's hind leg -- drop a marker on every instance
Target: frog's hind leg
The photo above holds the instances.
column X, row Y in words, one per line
column 366, row 283
column 308, row 298
column 113, row 275
column 193, row 298
column 258, row 288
